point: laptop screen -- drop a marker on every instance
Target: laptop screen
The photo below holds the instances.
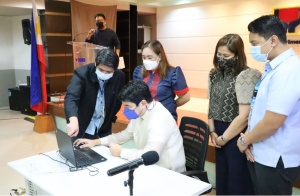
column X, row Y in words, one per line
column 65, row 146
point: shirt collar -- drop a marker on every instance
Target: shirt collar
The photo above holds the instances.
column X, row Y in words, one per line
column 147, row 113
column 280, row 58
column 153, row 72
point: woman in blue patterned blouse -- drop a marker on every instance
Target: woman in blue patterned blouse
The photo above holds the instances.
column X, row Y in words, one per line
column 165, row 82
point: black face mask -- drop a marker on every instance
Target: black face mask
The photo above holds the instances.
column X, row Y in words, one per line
column 226, row 63
column 99, row 25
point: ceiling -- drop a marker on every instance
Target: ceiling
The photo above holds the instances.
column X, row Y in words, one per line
column 161, row 3
column 13, row 11
column 18, row 7
column 14, row 8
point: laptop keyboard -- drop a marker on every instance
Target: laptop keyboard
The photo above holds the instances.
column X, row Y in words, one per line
column 82, row 159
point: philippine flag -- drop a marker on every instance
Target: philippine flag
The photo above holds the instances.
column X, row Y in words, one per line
column 38, row 91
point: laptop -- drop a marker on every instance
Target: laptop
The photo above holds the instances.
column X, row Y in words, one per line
column 78, row 157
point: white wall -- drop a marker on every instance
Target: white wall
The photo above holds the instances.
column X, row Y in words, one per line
column 14, row 53
column 7, row 77
column 6, row 48
column 189, row 33
column 15, row 56
column 21, row 51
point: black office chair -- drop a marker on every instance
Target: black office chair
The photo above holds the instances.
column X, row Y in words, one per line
column 195, row 134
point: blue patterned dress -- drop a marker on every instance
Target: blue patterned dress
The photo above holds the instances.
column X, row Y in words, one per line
column 164, row 90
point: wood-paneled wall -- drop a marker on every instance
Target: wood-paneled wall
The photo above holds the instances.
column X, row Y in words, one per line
column 56, row 32
column 127, row 33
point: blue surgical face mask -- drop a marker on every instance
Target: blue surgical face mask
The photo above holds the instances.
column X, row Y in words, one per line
column 257, row 55
column 130, row 114
column 103, row 76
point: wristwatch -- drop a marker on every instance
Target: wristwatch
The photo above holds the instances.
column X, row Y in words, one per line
column 242, row 141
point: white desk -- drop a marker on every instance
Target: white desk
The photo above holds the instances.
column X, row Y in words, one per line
column 54, row 178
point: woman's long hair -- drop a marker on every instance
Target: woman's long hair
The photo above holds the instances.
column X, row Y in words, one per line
column 235, row 45
column 158, row 49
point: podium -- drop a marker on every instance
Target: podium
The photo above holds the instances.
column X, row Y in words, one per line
column 84, row 53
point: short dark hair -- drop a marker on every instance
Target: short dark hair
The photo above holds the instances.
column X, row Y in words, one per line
column 100, row 14
column 135, row 91
column 108, row 58
column 235, row 45
column 269, row 25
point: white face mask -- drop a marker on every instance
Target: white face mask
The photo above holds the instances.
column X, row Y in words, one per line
column 257, row 55
column 150, row 65
column 103, row 76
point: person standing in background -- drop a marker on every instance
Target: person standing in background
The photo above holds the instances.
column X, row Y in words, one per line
column 91, row 101
column 165, row 82
column 272, row 140
column 231, row 84
column 103, row 35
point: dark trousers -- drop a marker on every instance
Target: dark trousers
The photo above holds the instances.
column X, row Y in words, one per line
column 273, row 181
column 232, row 174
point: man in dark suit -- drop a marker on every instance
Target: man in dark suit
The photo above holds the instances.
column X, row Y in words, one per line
column 91, row 101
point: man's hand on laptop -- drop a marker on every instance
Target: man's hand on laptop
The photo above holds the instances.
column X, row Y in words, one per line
column 115, row 149
column 73, row 127
column 84, row 143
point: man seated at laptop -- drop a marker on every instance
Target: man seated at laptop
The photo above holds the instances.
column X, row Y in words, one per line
column 152, row 127
column 91, row 102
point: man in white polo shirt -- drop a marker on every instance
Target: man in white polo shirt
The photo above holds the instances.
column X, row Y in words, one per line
column 151, row 127
column 272, row 142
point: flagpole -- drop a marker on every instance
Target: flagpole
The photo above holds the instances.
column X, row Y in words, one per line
column 38, row 92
